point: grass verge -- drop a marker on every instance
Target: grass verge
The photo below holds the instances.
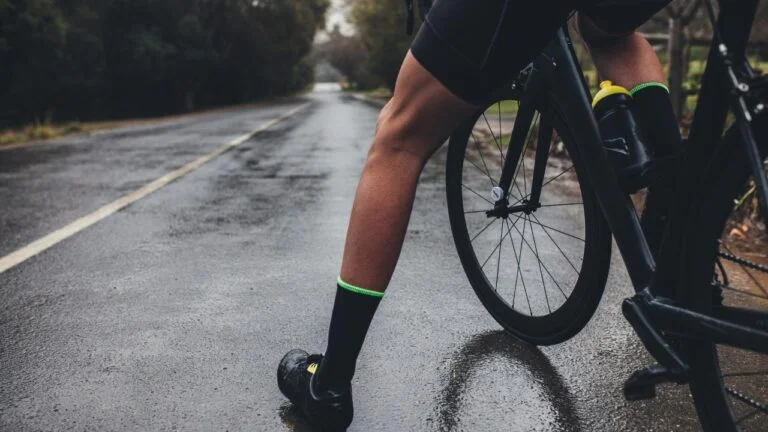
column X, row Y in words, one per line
column 45, row 131
column 379, row 93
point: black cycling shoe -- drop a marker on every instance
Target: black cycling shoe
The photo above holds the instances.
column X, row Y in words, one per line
column 327, row 410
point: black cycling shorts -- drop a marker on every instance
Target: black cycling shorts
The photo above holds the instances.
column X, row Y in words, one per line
column 474, row 46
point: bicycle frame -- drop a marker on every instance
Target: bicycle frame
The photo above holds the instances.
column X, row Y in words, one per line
column 555, row 81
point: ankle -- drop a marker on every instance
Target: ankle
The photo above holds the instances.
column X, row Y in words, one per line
column 325, row 380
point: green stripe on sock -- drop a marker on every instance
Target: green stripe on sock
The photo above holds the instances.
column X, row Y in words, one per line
column 646, row 85
column 358, row 290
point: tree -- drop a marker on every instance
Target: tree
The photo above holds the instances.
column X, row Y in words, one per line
column 348, row 55
column 680, row 15
column 113, row 58
column 34, row 38
column 381, row 29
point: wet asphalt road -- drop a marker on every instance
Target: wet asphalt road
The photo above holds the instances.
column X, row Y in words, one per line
column 173, row 313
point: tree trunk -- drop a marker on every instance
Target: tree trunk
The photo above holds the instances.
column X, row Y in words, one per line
column 189, row 101
column 686, row 55
column 676, row 51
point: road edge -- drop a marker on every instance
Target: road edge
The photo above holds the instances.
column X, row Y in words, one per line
column 51, row 239
column 376, row 102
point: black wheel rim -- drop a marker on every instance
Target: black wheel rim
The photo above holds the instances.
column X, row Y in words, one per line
column 741, row 279
column 530, row 260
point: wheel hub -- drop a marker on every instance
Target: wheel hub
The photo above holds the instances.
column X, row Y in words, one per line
column 502, row 209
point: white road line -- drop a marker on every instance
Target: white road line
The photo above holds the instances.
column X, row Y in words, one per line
column 20, row 255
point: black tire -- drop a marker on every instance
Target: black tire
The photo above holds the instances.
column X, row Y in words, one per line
column 717, row 372
column 592, row 259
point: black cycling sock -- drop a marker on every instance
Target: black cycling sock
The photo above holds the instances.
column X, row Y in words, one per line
column 353, row 311
column 653, row 112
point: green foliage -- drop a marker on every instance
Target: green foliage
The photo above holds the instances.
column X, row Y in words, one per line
column 72, row 59
column 42, row 131
column 37, row 131
column 348, row 55
column 381, row 29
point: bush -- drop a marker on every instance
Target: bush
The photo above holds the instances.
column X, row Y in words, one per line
column 381, row 29
column 42, row 131
column 70, row 128
column 139, row 58
column 9, row 137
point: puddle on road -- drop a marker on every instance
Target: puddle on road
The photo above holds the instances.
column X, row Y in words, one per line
column 495, row 380
column 293, row 419
column 326, row 87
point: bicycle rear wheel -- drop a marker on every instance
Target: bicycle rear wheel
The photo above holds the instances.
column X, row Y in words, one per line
column 729, row 385
column 539, row 271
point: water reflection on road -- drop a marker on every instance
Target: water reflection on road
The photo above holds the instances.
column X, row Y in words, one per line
column 326, row 87
column 495, row 359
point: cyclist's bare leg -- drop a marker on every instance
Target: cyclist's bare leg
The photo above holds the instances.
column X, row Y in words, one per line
column 411, row 127
column 418, row 119
column 627, row 59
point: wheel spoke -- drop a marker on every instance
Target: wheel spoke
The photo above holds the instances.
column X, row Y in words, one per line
column 556, row 230
column 522, row 276
column 473, row 191
column 519, row 266
column 517, row 185
column 498, row 245
column 483, row 230
column 521, row 163
column 551, row 179
column 556, row 245
column 493, row 251
column 501, row 154
column 498, row 260
column 750, row 383
column 517, row 258
column 542, row 264
column 536, row 121
column 480, row 169
column 497, row 141
column 748, row 416
column 541, row 272
column 741, row 264
column 482, row 158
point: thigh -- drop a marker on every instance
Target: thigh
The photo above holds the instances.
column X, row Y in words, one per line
column 623, row 16
column 473, row 47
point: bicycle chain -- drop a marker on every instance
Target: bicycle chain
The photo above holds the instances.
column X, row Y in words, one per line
column 743, row 262
column 747, row 400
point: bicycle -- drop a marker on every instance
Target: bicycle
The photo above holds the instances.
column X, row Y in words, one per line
column 685, row 310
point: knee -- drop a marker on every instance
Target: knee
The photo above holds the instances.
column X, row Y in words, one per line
column 398, row 136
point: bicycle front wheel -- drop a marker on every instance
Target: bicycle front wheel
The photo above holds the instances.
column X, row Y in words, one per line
column 541, row 268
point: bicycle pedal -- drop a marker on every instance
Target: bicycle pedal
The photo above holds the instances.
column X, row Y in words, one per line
column 641, row 384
